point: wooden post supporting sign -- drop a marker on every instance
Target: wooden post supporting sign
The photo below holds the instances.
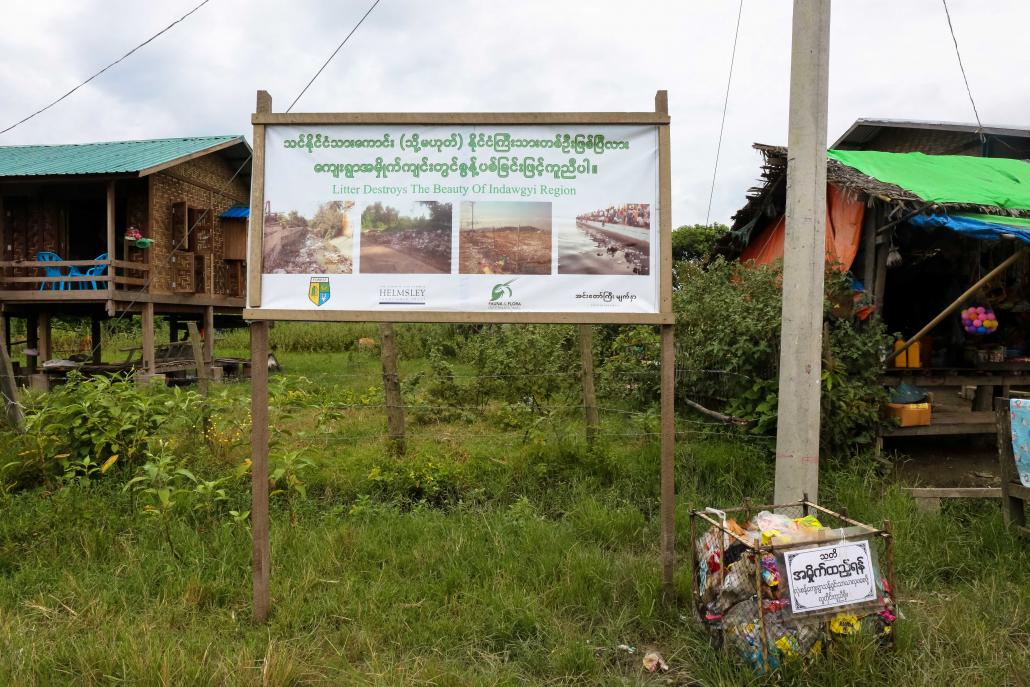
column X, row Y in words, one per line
column 586, row 356
column 392, row 387
column 260, row 548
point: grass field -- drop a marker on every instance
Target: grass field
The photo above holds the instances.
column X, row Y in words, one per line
column 491, row 555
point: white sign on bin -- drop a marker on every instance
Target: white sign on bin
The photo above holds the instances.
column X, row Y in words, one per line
column 826, row 577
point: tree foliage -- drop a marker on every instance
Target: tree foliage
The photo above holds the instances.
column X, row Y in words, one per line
column 695, row 241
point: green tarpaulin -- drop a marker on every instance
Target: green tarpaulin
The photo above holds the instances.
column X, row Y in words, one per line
column 1018, row 222
column 947, row 178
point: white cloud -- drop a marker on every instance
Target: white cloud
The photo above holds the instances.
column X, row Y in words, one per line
column 888, row 59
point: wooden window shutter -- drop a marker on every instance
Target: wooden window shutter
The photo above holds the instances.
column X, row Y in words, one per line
column 180, row 226
column 182, row 272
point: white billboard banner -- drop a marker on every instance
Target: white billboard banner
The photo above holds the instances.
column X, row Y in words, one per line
column 516, row 218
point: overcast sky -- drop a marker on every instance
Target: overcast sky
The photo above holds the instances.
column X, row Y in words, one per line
column 888, row 59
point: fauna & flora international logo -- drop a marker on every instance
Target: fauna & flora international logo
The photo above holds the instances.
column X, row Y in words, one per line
column 318, row 290
column 501, row 297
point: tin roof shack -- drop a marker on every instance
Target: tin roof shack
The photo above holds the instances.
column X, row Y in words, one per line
column 935, row 138
column 100, row 230
column 920, row 233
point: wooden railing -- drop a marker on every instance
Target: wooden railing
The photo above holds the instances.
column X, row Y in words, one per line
column 17, row 275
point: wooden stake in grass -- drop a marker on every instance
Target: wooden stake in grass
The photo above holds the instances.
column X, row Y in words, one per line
column 7, row 383
column 586, row 354
column 392, row 387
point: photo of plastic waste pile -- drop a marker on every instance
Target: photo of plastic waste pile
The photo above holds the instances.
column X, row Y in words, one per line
column 729, row 590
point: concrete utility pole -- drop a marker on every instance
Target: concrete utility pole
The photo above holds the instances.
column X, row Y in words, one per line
column 804, row 256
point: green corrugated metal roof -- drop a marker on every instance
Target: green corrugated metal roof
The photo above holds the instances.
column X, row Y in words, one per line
column 112, row 157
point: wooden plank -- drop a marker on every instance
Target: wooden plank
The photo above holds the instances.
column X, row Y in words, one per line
column 13, row 296
column 661, row 106
column 147, row 324
column 47, row 280
column 198, row 358
column 96, row 344
column 392, row 387
column 260, row 548
column 8, row 386
column 431, row 118
column 130, row 281
column 28, row 264
column 954, row 492
column 209, row 334
column 937, row 430
column 255, row 257
column 45, row 340
column 456, row 317
column 586, row 357
column 34, row 264
column 1013, row 507
column 111, row 252
column 668, row 463
column 956, row 380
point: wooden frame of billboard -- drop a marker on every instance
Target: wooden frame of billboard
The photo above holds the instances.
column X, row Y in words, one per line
column 259, row 318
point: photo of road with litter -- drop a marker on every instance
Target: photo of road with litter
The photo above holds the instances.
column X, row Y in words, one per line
column 418, row 242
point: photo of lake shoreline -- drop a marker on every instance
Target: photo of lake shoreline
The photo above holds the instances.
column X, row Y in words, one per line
column 614, row 240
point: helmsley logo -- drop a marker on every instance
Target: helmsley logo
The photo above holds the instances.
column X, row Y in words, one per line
column 501, row 297
column 318, row 290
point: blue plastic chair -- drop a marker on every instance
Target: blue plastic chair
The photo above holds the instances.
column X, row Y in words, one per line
column 47, row 256
column 95, row 271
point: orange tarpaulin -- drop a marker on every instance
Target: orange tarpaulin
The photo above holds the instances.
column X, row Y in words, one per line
column 844, row 215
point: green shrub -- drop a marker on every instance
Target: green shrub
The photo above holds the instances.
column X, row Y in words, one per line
column 101, row 421
column 728, row 338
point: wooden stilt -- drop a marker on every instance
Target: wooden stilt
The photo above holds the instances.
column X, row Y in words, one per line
column 31, row 342
column 203, row 371
column 147, row 324
column 45, row 344
column 209, row 335
column 95, row 340
column 260, row 551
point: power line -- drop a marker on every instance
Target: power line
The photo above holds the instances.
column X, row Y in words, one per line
column 962, row 68
column 47, row 107
column 326, row 63
column 725, row 104
column 152, row 273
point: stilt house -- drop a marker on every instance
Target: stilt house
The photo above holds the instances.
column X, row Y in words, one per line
column 123, row 229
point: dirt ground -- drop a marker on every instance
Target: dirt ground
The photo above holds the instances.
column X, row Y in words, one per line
column 945, row 461
column 423, row 251
column 507, row 250
column 386, row 260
